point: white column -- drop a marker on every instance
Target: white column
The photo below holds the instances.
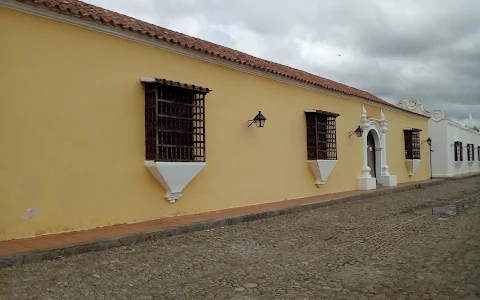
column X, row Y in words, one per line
column 384, row 157
column 365, row 169
column 385, row 178
column 384, row 129
column 365, row 124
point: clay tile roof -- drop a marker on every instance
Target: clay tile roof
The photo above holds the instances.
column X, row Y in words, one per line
column 106, row 17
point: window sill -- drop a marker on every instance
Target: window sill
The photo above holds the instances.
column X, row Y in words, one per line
column 412, row 165
column 174, row 176
column 321, row 169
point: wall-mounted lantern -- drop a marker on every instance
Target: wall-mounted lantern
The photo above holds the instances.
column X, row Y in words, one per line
column 358, row 132
column 429, row 142
column 259, row 120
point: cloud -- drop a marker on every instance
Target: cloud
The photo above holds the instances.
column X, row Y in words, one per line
column 422, row 49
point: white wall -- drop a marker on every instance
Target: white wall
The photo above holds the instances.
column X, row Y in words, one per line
column 458, row 132
column 437, row 132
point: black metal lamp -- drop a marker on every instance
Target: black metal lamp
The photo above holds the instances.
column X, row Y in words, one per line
column 358, row 132
column 259, row 120
column 429, row 141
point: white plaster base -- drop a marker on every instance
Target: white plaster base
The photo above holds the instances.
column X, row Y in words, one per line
column 389, row 180
column 365, row 184
column 174, row 176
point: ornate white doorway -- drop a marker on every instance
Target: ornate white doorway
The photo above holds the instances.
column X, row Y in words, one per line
column 375, row 169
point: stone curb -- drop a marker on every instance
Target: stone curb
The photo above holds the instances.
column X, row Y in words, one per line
column 126, row 240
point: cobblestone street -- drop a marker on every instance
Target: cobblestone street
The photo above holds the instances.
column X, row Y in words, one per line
column 381, row 248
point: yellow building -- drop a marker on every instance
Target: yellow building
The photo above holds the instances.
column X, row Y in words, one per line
column 91, row 137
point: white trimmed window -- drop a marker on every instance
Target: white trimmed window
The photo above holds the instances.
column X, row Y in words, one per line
column 470, row 152
column 458, row 151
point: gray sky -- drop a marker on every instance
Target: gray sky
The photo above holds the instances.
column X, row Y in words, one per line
column 423, row 49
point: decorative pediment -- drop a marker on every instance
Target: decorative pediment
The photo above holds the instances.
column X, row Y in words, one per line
column 416, row 106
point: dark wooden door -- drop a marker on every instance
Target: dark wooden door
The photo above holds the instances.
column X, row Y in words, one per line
column 371, row 154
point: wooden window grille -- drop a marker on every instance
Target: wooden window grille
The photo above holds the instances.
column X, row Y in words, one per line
column 412, row 143
column 458, row 151
column 321, row 135
column 174, row 123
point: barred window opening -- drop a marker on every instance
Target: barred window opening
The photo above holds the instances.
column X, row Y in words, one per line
column 412, row 143
column 174, row 123
column 470, row 152
column 321, row 135
column 458, row 151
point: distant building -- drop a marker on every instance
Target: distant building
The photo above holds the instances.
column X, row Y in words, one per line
column 456, row 148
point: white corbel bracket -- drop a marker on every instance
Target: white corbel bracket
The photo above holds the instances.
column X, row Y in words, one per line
column 174, row 176
column 412, row 165
column 321, row 169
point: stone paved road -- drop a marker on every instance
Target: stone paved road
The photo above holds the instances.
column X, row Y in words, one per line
column 377, row 248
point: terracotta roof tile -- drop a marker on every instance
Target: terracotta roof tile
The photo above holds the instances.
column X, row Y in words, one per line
column 323, row 112
column 97, row 14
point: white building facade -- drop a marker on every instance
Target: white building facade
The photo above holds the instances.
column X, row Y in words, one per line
column 456, row 148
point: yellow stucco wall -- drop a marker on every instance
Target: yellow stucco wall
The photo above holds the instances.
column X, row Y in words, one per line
column 72, row 132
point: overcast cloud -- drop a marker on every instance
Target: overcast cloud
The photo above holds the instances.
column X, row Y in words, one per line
column 423, row 49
